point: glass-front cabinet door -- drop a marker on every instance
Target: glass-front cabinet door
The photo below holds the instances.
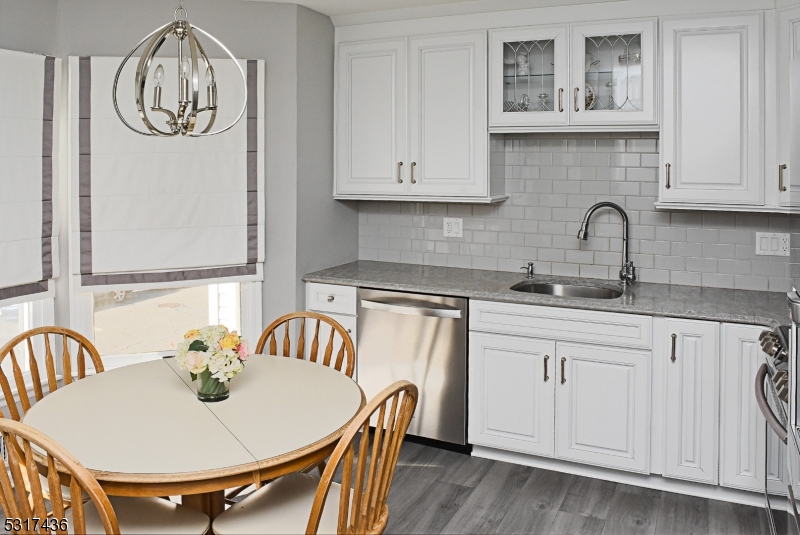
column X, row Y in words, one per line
column 612, row 69
column 528, row 77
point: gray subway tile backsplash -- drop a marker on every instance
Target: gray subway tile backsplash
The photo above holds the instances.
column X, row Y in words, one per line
column 551, row 179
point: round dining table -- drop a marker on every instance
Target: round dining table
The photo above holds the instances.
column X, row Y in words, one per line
column 141, row 430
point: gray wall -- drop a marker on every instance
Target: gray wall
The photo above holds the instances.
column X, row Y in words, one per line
column 283, row 35
column 552, row 179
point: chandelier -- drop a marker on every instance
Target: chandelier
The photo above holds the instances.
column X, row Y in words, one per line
column 190, row 55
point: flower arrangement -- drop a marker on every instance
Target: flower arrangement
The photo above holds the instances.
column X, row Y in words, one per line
column 213, row 356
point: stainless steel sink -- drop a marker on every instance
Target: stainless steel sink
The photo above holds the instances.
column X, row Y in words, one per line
column 567, row 290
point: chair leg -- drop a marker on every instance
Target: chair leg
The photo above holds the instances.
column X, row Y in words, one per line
column 234, row 493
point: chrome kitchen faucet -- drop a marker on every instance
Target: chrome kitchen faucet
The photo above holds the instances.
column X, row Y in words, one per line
column 627, row 274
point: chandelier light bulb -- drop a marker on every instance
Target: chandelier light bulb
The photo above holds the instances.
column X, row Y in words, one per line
column 158, row 76
column 185, row 69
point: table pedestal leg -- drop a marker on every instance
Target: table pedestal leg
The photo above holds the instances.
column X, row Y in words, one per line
column 210, row 503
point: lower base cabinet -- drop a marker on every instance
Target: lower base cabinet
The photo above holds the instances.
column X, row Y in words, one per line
column 511, row 395
column 603, row 406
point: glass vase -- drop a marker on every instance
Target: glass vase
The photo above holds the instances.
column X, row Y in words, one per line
column 210, row 389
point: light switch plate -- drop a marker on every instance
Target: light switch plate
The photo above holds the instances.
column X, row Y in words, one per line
column 453, row 227
column 772, row 244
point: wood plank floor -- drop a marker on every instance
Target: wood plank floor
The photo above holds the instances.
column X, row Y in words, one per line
column 438, row 491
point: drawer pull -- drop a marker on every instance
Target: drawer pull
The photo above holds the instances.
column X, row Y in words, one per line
column 563, row 375
column 560, row 97
column 667, row 167
column 546, row 377
column 781, row 169
column 674, row 338
column 413, row 165
column 399, row 172
column 575, row 98
column 331, row 298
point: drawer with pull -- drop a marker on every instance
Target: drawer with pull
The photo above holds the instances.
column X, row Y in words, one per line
column 568, row 324
column 331, row 298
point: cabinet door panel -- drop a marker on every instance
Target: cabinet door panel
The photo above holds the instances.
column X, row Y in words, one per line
column 528, row 69
column 603, row 406
column 691, row 407
column 743, row 444
column 447, row 139
column 370, row 117
column 616, row 62
column 511, row 401
column 788, row 50
column 713, row 124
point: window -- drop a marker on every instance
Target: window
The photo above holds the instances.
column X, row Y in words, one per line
column 18, row 318
column 129, row 326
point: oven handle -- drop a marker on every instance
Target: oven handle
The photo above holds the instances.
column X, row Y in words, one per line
column 761, row 399
column 412, row 309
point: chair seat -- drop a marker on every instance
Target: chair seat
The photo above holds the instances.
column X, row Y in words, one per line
column 281, row 507
column 65, row 492
column 146, row 515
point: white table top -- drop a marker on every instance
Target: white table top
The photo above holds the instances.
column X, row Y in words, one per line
column 146, row 419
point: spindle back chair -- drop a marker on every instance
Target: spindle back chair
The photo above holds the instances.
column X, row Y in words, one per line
column 367, row 477
column 28, row 507
column 30, row 338
column 345, row 356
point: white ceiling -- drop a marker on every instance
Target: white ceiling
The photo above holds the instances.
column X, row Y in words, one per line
column 334, row 8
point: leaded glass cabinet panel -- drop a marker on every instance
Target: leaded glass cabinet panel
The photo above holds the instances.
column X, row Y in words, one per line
column 613, row 73
column 528, row 77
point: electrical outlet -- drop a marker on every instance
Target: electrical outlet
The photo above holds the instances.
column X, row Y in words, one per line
column 772, row 244
column 453, row 227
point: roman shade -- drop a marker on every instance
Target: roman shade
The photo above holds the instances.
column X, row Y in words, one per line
column 29, row 110
column 155, row 212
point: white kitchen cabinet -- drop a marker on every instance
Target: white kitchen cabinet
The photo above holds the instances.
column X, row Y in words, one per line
column 788, row 46
column 612, row 67
column 511, row 396
column 411, row 120
column 712, row 129
column 691, row 394
column 528, row 78
column 600, row 74
column 371, row 117
column 336, row 302
column 603, row 406
column 743, row 444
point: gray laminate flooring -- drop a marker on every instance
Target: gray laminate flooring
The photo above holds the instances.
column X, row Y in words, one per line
column 437, row 491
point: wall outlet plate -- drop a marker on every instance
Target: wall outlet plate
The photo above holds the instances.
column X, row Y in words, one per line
column 772, row 244
column 453, row 227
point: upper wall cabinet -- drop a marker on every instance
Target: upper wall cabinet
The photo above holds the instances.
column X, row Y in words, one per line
column 584, row 75
column 788, row 182
column 712, row 130
column 411, row 120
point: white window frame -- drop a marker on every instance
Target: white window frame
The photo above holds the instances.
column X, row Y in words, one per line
column 82, row 320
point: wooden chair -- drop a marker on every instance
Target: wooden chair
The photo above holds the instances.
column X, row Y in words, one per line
column 29, row 338
column 345, row 356
column 32, row 453
column 305, row 502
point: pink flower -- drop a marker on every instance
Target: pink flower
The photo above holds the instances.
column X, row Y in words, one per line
column 195, row 362
column 242, row 350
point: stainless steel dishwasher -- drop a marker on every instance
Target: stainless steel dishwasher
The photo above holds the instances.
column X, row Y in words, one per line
column 423, row 339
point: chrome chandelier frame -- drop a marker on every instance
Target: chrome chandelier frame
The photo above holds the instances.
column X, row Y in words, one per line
column 183, row 121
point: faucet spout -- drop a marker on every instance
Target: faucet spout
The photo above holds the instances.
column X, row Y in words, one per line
column 627, row 273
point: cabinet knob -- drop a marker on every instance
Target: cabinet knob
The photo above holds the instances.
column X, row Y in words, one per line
column 330, row 299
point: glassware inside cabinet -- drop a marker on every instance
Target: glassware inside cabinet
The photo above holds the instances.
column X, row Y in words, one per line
column 528, row 76
column 613, row 73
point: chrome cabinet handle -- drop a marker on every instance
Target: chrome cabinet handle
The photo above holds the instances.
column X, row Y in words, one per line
column 781, row 168
column 399, row 172
column 546, row 377
column 560, row 95
column 667, row 167
column 330, row 299
column 674, row 338
column 563, row 376
column 575, row 98
column 413, row 165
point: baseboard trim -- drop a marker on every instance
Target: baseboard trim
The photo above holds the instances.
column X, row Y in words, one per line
column 650, row 481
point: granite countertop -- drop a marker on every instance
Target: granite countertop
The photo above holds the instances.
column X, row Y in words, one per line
column 713, row 304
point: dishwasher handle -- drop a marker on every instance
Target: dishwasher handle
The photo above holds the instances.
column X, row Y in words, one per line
column 413, row 308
